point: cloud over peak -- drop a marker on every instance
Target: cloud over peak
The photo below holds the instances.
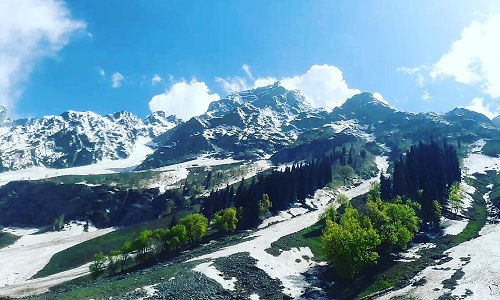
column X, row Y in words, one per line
column 480, row 106
column 184, row 99
column 322, row 85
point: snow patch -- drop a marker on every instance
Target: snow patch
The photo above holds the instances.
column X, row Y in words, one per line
column 453, row 227
column 411, row 253
column 149, row 289
column 209, row 270
column 29, row 254
column 165, row 180
column 478, row 258
column 477, row 162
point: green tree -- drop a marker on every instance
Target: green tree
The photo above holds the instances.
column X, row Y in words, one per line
column 164, row 236
column 437, row 212
column 125, row 254
column 59, row 223
column 178, row 237
column 351, row 243
column 140, row 244
column 342, row 199
column 98, row 265
column 395, row 222
column 346, row 174
column 226, row 220
column 455, row 199
column 330, row 213
column 196, row 226
column 114, row 261
column 264, row 205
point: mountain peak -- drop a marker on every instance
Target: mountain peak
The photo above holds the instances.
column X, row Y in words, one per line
column 274, row 96
column 467, row 114
column 366, row 107
column 367, row 98
column 364, row 101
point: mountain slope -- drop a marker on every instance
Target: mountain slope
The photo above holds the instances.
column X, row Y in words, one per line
column 269, row 120
column 75, row 138
column 246, row 125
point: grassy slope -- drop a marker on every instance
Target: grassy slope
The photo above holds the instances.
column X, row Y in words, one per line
column 491, row 148
column 7, row 239
column 84, row 252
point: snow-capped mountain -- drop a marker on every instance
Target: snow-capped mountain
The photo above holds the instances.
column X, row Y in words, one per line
column 266, row 122
column 75, row 138
column 250, row 124
column 274, row 121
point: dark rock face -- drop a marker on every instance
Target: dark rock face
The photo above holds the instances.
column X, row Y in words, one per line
column 24, row 203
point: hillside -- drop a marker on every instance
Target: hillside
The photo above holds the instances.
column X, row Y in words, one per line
column 118, row 176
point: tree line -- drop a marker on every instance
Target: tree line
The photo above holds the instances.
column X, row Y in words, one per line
column 425, row 174
column 190, row 230
column 293, row 184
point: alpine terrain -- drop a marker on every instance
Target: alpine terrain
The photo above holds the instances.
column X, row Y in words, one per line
column 260, row 197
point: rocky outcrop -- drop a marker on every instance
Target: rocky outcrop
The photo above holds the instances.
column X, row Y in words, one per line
column 25, row 203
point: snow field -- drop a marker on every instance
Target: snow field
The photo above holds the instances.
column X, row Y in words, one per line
column 479, row 259
column 29, row 254
column 209, row 270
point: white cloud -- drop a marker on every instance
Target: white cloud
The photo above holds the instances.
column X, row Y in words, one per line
column 156, row 79
column 474, row 58
column 101, row 72
column 421, row 73
column 410, row 71
column 420, row 80
column 184, row 99
column 426, row 96
column 246, row 68
column 264, row 81
column 322, row 85
column 479, row 105
column 233, row 85
column 117, row 79
column 29, row 31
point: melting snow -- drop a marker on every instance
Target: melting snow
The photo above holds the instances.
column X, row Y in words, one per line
column 453, row 227
column 290, row 264
column 29, row 254
column 211, row 271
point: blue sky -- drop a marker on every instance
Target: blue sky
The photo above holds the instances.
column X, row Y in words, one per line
column 177, row 56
